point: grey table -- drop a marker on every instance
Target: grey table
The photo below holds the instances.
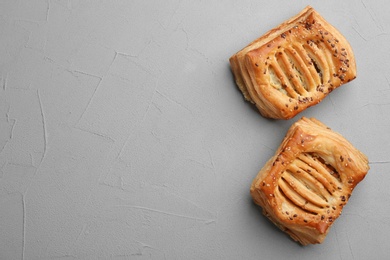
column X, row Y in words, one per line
column 123, row 135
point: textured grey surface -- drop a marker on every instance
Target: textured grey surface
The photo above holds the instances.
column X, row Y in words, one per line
column 123, row 135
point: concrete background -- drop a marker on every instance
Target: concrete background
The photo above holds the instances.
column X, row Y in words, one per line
column 123, row 135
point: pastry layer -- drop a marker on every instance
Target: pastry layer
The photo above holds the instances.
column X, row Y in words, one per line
column 293, row 66
column 305, row 185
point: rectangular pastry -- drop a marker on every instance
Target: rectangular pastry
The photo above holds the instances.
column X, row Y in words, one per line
column 303, row 188
column 293, row 66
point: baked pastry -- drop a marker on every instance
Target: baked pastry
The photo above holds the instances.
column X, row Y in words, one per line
column 293, row 66
column 303, row 188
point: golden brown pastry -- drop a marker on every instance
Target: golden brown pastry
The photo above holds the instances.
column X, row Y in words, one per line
column 293, row 66
column 305, row 185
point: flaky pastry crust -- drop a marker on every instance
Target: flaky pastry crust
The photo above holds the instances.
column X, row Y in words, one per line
column 293, row 66
column 303, row 188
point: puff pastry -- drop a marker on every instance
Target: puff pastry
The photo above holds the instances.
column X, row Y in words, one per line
column 293, row 66
column 303, row 188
